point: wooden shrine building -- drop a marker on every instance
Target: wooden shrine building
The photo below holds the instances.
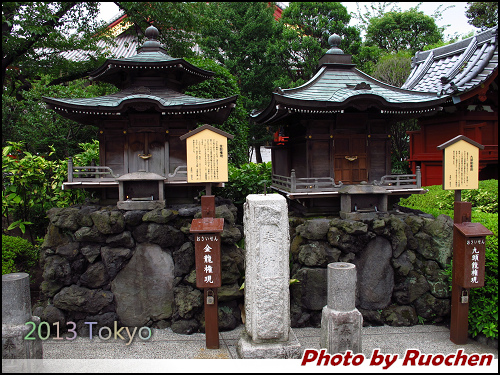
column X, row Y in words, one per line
column 331, row 151
column 466, row 72
column 140, row 126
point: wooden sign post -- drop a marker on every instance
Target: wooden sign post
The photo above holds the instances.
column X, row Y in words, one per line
column 461, row 171
column 208, row 270
column 206, row 151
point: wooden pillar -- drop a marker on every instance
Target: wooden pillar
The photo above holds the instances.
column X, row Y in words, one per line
column 459, row 324
column 211, row 309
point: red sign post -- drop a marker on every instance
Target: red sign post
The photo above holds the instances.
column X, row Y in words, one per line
column 208, row 269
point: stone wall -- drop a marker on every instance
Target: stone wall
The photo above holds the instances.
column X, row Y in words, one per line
column 400, row 258
column 101, row 264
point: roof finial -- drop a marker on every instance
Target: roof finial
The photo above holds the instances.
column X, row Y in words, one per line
column 152, row 34
column 334, row 41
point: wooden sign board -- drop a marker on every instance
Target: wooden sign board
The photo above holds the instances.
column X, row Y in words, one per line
column 207, row 245
column 469, row 255
column 460, row 163
column 206, row 150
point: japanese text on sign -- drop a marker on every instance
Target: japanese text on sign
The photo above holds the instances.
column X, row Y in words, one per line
column 461, row 166
column 475, row 259
column 208, row 268
column 207, row 256
column 206, row 157
column 207, row 153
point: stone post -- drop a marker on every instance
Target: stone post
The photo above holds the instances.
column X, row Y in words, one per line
column 267, row 331
column 16, row 311
column 341, row 322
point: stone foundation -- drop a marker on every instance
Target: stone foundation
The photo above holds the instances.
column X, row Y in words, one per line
column 92, row 255
column 399, row 257
column 135, row 267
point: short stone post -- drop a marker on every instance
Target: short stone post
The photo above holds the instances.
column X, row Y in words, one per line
column 341, row 322
column 16, row 311
column 267, row 331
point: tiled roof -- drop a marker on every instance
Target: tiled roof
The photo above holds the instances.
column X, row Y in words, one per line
column 336, row 87
column 457, row 67
column 126, row 46
column 166, row 98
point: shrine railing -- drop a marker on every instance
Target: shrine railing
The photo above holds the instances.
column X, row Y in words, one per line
column 89, row 172
column 398, row 180
column 304, row 185
column 293, row 184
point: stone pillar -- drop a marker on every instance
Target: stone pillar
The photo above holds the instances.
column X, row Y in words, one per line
column 16, row 311
column 267, row 331
column 341, row 322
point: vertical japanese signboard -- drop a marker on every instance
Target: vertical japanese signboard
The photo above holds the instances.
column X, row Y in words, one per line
column 207, row 258
column 207, row 251
column 206, row 151
column 460, row 163
column 469, row 255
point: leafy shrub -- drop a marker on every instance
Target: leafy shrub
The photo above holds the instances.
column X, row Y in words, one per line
column 248, row 179
column 483, row 302
column 32, row 184
column 438, row 201
column 18, row 255
column 484, row 199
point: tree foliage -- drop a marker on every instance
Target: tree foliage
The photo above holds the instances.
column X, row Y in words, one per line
column 482, row 15
column 176, row 20
column 39, row 128
column 239, row 35
column 306, row 29
column 397, row 31
column 34, row 34
column 393, row 69
column 31, row 185
column 224, row 84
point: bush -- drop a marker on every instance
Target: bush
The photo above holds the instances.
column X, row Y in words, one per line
column 483, row 302
column 438, row 201
column 32, row 184
column 18, row 255
column 248, row 179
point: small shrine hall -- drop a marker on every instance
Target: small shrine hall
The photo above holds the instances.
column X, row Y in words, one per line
column 331, row 151
column 141, row 155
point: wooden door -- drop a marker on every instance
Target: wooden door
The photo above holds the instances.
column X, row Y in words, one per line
column 350, row 158
column 319, row 158
column 146, row 153
column 111, row 151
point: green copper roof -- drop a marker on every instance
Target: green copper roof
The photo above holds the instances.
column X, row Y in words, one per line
column 165, row 100
column 338, row 86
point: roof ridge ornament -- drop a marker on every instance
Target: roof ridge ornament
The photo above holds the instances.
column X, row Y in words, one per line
column 152, row 34
column 334, row 41
column 360, row 86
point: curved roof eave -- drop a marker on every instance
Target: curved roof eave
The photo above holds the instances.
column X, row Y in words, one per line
column 161, row 103
column 147, row 60
column 285, row 105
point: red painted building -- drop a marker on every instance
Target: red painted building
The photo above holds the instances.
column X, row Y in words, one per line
column 466, row 72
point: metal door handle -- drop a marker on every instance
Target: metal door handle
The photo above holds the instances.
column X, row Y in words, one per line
column 351, row 158
column 144, row 156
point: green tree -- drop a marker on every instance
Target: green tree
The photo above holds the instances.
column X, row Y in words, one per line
column 238, row 35
column 177, row 22
column 39, row 128
column 35, row 34
column 393, row 69
column 306, row 29
column 224, row 84
column 482, row 15
column 411, row 30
